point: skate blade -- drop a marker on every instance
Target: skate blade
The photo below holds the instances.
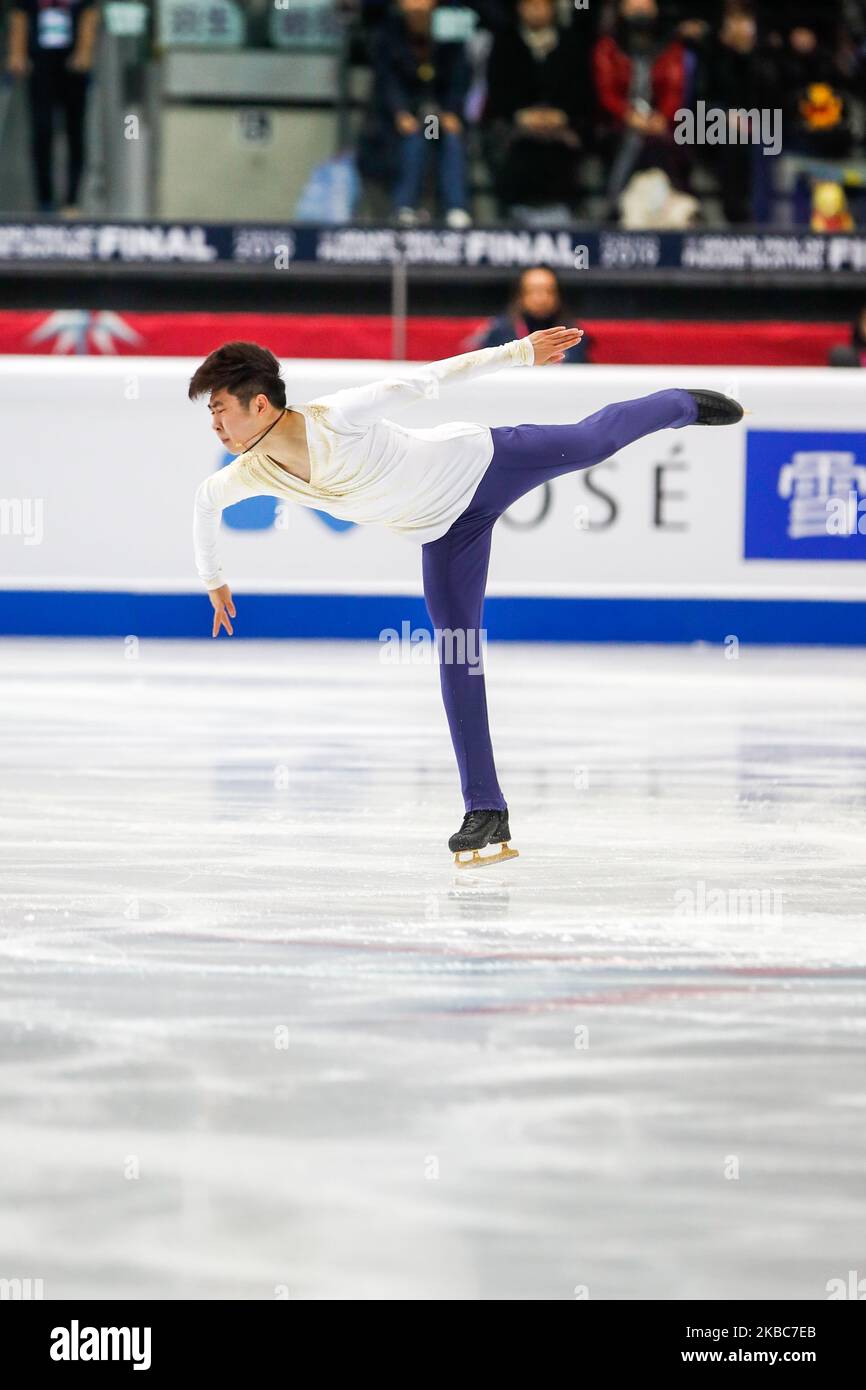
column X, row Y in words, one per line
column 478, row 860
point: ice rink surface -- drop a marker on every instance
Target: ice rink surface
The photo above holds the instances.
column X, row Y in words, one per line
column 260, row 1038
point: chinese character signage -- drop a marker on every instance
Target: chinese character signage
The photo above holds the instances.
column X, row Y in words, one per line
column 311, row 24
column 805, row 495
column 201, row 24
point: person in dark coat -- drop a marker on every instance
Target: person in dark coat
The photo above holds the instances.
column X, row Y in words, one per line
column 817, row 116
column 855, row 354
column 741, row 75
column 420, row 87
column 535, row 302
column 537, row 108
column 52, row 44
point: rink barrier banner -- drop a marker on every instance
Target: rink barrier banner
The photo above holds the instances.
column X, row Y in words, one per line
column 365, row 616
column 276, row 247
column 685, row 535
column 626, row 341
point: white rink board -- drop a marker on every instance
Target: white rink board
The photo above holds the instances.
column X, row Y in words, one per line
column 114, row 451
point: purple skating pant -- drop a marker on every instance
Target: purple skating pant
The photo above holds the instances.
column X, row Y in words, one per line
column 455, row 566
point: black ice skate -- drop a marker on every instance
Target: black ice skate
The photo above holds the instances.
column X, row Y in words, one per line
column 716, row 409
column 480, row 829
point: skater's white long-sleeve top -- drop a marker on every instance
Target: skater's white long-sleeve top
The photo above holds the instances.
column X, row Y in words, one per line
column 363, row 466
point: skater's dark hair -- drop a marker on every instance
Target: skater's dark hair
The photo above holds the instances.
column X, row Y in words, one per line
column 243, row 369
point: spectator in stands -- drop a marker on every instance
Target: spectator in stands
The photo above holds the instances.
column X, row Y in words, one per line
column 816, row 106
column 535, row 112
column 817, row 118
column 695, row 36
column 858, row 335
column 640, row 84
column 535, row 302
column 855, row 355
column 52, row 43
column 740, row 75
column 420, row 87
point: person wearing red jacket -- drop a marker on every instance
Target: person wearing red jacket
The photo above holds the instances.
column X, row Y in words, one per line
column 640, row 85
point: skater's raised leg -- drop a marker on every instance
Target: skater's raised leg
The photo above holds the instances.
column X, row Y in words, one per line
column 525, row 456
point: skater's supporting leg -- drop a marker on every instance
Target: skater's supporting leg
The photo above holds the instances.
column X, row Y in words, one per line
column 455, row 573
column 524, row 456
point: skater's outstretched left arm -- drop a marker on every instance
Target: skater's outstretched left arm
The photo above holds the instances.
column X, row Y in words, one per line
column 364, row 405
column 218, row 490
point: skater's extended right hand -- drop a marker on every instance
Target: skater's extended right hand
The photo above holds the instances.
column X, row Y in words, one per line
column 551, row 344
column 223, row 605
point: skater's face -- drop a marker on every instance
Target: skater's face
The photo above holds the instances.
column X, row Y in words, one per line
column 234, row 423
column 539, row 294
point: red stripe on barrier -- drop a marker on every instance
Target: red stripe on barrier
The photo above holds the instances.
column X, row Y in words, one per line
column 614, row 341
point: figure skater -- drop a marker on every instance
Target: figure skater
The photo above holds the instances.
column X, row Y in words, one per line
column 444, row 487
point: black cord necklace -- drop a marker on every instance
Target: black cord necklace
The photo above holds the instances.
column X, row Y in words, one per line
column 267, row 431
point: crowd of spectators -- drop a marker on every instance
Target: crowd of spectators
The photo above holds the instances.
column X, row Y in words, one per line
column 551, row 109
column 560, row 101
